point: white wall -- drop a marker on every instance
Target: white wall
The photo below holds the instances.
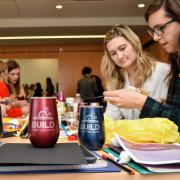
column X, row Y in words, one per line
column 36, row 70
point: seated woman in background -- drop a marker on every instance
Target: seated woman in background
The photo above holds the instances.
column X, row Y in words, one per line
column 49, row 87
column 3, row 80
column 38, row 92
column 4, row 93
column 15, row 88
column 126, row 66
column 17, row 94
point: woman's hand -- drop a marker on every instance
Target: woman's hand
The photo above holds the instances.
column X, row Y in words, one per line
column 4, row 109
column 21, row 103
column 125, row 98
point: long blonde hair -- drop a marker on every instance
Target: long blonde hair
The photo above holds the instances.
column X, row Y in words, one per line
column 112, row 73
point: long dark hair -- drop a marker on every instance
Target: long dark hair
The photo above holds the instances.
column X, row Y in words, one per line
column 172, row 9
column 13, row 88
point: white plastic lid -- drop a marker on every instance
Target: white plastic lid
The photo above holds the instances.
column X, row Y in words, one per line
column 70, row 100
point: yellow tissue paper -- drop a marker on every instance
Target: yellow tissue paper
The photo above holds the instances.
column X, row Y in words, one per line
column 146, row 130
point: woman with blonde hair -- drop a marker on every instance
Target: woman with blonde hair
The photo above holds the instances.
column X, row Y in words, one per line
column 126, row 66
column 4, row 93
column 3, row 80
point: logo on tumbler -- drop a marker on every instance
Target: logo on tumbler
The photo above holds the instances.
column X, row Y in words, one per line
column 90, row 123
column 44, row 120
column 44, row 114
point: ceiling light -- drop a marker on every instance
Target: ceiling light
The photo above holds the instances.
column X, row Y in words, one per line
column 141, row 5
column 54, row 37
column 59, row 6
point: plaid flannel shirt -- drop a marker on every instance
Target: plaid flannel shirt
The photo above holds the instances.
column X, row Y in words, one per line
column 171, row 109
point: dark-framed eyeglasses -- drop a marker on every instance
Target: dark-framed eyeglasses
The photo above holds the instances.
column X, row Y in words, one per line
column 159, row 30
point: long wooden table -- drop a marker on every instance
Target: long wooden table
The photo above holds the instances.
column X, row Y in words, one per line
column 80, row 176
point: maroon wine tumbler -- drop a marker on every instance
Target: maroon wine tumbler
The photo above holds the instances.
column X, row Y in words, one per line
column 43, row 129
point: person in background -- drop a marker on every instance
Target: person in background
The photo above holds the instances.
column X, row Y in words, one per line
column 31, row 90
column 26, row 90
column 3, row 80
column 15, row 88
column 126, row 66
column 17, row 96
column 38, row 92
column 4, row 93
column 49, row 87
column 163, row 17
column 86, row 86
column 100, row 90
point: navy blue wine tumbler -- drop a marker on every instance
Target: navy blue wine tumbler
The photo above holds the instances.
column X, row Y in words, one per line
column 91, row 127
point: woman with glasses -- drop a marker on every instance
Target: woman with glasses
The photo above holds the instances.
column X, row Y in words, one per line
column 126, row 66
column 163, row 17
